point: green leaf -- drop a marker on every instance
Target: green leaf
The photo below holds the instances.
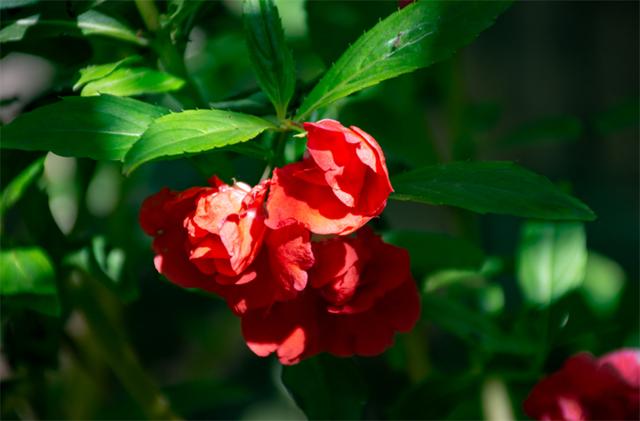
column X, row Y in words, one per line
column 326, row 388
column 547, row 130
column 489, row 187
column 108, row 265
column 551, row 261
column 16, row 187
column 102, row 127
column 133, row 81
column 28, row 279
column 26, row 270
column 417, row 36
column 95, row 23
column 193, row 131
column 88, row 23
column 17, row 30
column 603, row 284
column 12, row 4
column 271, row 58
column 99, row 71
column 453, row 277
column 433, row 251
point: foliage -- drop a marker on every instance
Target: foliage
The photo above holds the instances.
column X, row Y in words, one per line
column 150, row 94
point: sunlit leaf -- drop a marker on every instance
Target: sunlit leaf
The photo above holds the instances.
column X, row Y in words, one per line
column 107, row 264
column 133, row 81
column 604, row 281
column 99, row 71
column 12, row 4
column 489, row 187
column 88, row 23
column 27, row 279
column 193, row 131
column 417, row 36
column 551, row 262
column 271, row 58
column 16, row 187
column 102, row 127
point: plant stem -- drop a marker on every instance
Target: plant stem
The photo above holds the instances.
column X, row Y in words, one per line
column 149, row 13
column 89, row 300
column 169, row 54
column 277, row 158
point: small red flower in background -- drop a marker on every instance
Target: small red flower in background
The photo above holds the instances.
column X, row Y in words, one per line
column 586, row 388
column 361, row 293
column 337, row 188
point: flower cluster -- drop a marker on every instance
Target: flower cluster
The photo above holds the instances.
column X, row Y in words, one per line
column 588, row 388
column 344, row 294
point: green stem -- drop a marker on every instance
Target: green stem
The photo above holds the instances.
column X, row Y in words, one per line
column 169, row 54
column 114, row 348
column 418, row 365
column 149, row 13
column 277, row 157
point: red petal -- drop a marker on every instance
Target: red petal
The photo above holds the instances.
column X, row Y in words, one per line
column 626, row 364
column 290, row 256
column 291, row 199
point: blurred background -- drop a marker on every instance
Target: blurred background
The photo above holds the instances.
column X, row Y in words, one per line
column 552, row 86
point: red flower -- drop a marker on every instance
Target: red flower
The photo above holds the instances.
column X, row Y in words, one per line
column 279, row 272
column 205, row 233
column 337, row 188
column 226, row 229
column 607, row 388
column 361, row 293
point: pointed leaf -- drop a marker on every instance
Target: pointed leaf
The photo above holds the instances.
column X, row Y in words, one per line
column 102, row 127
column 11, row 4
column 87, row 23
column 489, row 187
column 133, row 81
column 193, row 131
column 106, row 264
column 95, row 23
column 16, row 187
column 417, row 36
column 552, row 258
column 27, row 279
column 99, row 71
column 271, row 58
